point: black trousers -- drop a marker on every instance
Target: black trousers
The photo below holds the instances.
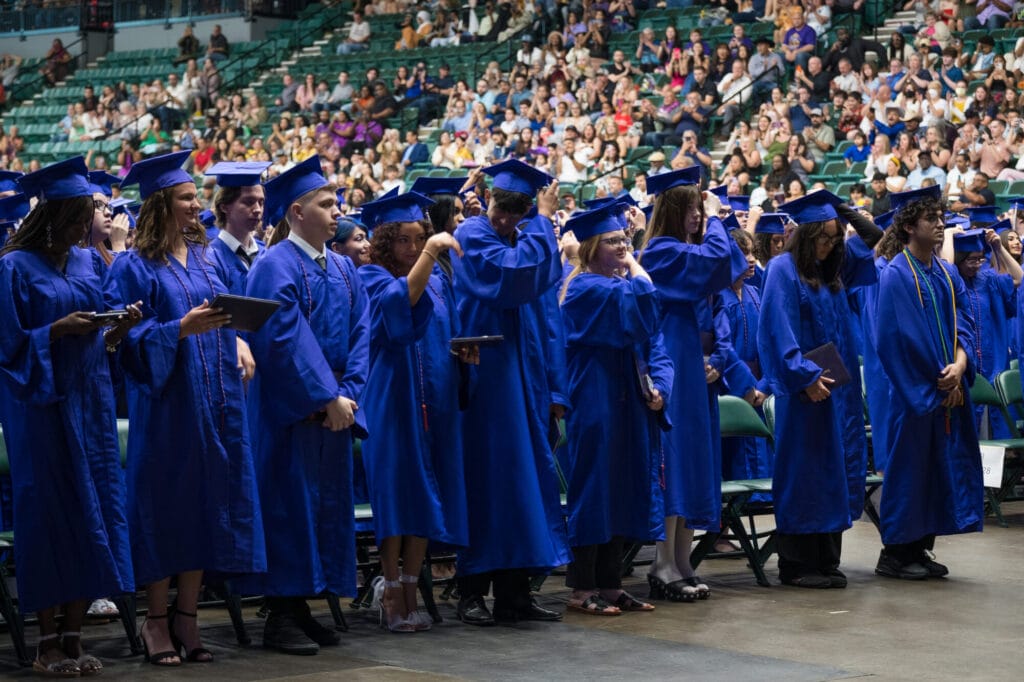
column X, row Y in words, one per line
column 511, row 586
column 808, row 554
column 911, row 552
column 596, row 567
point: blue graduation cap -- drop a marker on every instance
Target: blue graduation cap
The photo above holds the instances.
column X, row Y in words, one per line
column 403, row 208
column 346, row 226
column 208, row 218
column 429, row 187
column 238, row 173
column 102, row 181
column 128, row 207
column 648, row 211
column 515, row 176
column 594, row 222
column 62, row 180
column 981, row 215
column 666, row 181
column 956, row 220
column 815, row 207
column 625, row 200
column 970, row 241
column 739, row 202
column 157, row 173
column 731, row 222
column 8, row 180
column 901, row 199
column 771, row 223
column 297, row 181
column 1017, row 203
column 720, row 191
column 1001, row 226
column 884, row 220
column 13, row 208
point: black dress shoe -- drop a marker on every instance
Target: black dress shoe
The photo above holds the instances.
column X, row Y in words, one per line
column 473, row 611
column 322, row 635
column 836, row 578
column 891, row 567
column 282, row 633
column 812, row 581
column 531, row 611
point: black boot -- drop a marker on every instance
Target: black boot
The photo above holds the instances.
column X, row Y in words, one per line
column 282, row 631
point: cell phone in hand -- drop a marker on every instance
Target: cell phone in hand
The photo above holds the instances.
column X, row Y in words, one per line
column 110, row 316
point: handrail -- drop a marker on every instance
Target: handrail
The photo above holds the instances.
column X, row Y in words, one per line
column 20, row 85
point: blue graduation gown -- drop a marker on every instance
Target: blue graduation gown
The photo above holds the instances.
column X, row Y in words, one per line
column 57, row 410
column 746, row 457
column 933, row 480
column 876, row 383
column 192, row 501
column 685, row 275
column 411, row 402
column 515, row 516
column 231, row 269
column 992, row 300
column 614, row 447
column 821, row 452
column 314, row 348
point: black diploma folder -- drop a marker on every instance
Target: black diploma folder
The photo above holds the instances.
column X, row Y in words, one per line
column 247, row 314
column 832, row 366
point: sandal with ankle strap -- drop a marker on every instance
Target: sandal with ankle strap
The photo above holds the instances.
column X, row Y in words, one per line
column 67, row 667
column 398, row 625
column 420, row 621
column 159, row 658
column 88, row 665
column 190, row 656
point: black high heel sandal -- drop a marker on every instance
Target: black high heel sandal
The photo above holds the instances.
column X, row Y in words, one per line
column 159, row 658
column 703, row 591
column 190, row 656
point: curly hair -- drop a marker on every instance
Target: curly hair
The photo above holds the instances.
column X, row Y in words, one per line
column 50, row 216
column 803, row 247
column 669, row 217
column 889, row 245
column 152, row 239
column 382, row 244
column 905, row 220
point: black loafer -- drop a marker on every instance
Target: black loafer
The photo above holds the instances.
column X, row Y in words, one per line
column 532, row 611
column 814, row 582
column 836, row 579
column 473, row 611
column 319, row 633
column 891, row 567
column 282, row 633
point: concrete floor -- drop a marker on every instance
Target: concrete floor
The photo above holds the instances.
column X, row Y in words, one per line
column 967, row 627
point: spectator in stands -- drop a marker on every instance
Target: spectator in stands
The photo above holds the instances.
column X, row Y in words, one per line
column 735, row 91
column 859, row 151
column 853, row 48
column 881, row 200
column 217, row 49
column 766, row 68
column 992, row 14
column 799, row 41
column 691, row 154
column 994, row 154
column 925, row 170
column 57, row 63
column 703, row 86
column 209, row 84
column 306, row 93
column 981, row 63
column 358, row 38
column 816, row 79
column 188, row 46
column 820, row 138
column 975, row 194
column 597, row 36
column 818, row 17
column 342, row 92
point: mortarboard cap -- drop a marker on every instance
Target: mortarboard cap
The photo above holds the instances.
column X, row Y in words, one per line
column 648, row 211
column 597, row 221
column 208, row 218
column 1001, row 226
column 157, row 173
column 812, row 208
column 956, row 220
column 720, row 191
column 731, row 222
column 62, row 180
column 1017, row 203
column 102, row 181
column 772, row 223
column 433, row 186
column 403, row 208
column 884, row 220
column 515, row 176
column 128, row 207
column 346, row 226
column 297, row 181
column 970, row 241
column 981, row 215
column 238, row 173
column 739, row 202
column 13, row 208
column 901, row 199
column 666, row 181
column 8, row 181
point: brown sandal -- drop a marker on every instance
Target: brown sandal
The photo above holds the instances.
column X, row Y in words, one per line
column 628, row 602
column 595, row 605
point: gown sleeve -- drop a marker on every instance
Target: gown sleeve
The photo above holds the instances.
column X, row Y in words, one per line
column 394, row 321
column 778, row 327
column 662, row 372
column 25, row 361
column 502, row 275
column 557, row 371
column 858, row 264
column 689, row 272
column 737, row 377
column 601, row 311
column 357, row 364
column 149, row 350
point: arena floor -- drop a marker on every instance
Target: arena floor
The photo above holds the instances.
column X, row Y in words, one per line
column 967, row 627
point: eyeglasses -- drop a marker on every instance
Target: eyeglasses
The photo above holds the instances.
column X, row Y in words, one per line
column 824, row 239
column 616, row 241
column 101, row 206
column 975, row 260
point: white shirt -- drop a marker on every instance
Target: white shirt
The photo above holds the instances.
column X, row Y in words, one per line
column 358, row 33
column 234, row 245
column 306, row 248
column 568, row 174
column 180, row 94
column 734, row 90
column 847, row 83
column 953, row 179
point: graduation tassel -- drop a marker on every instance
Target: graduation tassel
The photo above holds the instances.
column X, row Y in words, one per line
column 426, row 425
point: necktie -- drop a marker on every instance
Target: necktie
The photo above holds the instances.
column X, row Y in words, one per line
column 240, row 252
column 322, row 262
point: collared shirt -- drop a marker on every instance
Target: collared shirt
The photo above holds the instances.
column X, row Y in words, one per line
column 306, row 248
column 234, row 245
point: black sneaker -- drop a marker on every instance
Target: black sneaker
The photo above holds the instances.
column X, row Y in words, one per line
column 836, row 579
column 319, row 633
column 934, row 568
column 282, row 633
column 812, row 581
column 891, row 567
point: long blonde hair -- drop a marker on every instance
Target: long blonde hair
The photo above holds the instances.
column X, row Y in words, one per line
column 587, row 251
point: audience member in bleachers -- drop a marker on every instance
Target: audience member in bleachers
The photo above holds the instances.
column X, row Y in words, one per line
column 188, row 46
column 217, row 48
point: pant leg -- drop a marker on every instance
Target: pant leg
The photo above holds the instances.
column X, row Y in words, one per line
column 511, row 588
column 582, row 574
column 475, row 585
column 798, row 554
column 830, row 547
column 609, row 564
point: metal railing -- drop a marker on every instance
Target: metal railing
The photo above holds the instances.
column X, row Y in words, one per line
column 74, row 14
column 29, row 83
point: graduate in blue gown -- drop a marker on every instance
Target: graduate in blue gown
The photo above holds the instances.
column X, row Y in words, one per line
column 57, row 411
column 821, row 451
column 926, row 342
column 515, row 519
column 192, row 501
column 611, row 320
column 746, row 457
column 104, row 223
column 238, row 206
column 992, row 300
column 305, row 409
column 351, row 239
column 414, row 461
column 1015, row 248
column 689, row 256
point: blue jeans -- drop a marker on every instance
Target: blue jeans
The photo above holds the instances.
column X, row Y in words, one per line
column 994, row 23
column 350, row 48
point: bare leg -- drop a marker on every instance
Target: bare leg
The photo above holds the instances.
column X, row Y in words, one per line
column 49, row 652
column 186, row 627
column 665, row 553
column 413, row 552
column 392, row 601
column 154, row 631
column 684, row 543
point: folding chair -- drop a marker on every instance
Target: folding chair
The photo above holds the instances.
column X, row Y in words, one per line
column 983, row 393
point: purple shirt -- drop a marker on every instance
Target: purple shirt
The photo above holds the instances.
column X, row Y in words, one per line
column 801, row 37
